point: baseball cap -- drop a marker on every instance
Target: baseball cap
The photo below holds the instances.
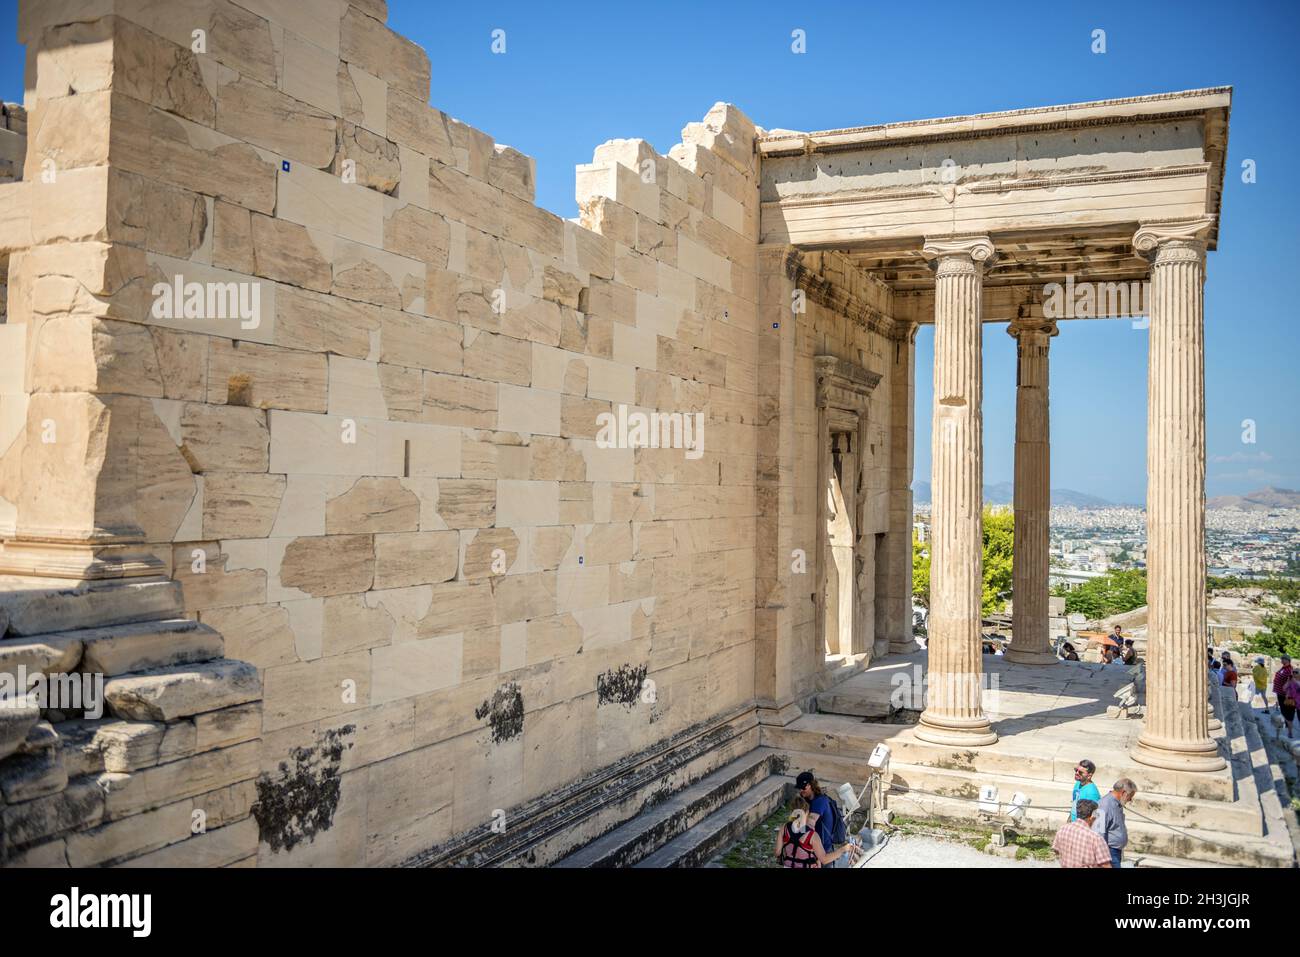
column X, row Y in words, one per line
column 804, row 779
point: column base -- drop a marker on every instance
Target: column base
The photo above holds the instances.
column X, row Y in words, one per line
column 903, row 647
column 1022, row 657
column 778, row 716
column 955, row 732
column 83, row 562
column 1179, row 756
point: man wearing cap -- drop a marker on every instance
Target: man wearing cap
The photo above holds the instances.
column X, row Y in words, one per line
column 1077, row 844
column 1084, row 789
column 1280, row 682
column 820, row 816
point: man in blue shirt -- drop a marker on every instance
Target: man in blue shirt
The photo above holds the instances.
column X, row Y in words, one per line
column 1084, row 789
column 819, row 814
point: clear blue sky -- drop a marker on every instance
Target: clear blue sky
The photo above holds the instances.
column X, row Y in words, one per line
column 576, row 74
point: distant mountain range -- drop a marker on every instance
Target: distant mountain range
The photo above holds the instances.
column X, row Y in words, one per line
column 1003, row 493
column 1258, row 501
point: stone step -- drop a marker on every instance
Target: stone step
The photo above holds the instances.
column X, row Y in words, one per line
column 1237, row 816
column 35, row 606
column 113, row 650
column 556, row 825
column 854, row 705
column 1155, row 860
column 656, row 826
column 166, row 694
column 145, row 646
column 1272, row 793
column 729, row 823
column 831, row 736
column 17, row 718
column 1201, row 846
column 25, row 777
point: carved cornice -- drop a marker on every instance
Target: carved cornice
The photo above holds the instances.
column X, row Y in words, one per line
column 835, row 297
column 1097, row 113
column 991, row 185
column 842, row 384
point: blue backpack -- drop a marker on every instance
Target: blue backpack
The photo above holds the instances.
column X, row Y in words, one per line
column 839, row 826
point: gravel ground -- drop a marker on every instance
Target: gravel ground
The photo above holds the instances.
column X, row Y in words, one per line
column 911, row 850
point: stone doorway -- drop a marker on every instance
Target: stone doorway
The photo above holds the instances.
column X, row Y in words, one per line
column 846, row 554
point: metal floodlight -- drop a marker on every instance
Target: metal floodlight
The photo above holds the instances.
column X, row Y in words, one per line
column 879, row 756
column 1017, row 810
column 988, row 802
column 848, row 798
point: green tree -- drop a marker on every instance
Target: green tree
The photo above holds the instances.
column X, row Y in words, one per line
column 1282, row 637
column 920, row 572
column 1283, row 624
column 999, row 536
column 1110, row 594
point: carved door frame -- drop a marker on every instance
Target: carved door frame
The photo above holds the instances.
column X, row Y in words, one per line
column 842, row 390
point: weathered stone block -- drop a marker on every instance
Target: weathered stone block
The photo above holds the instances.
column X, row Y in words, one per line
column 260, row 114
column 368, row 43
column 224, row 438
column 240, row 504
column 415, row 558
column 149, row 645
column 80, row 804
column 329, row 565
column 166, row 694
column 266, row 377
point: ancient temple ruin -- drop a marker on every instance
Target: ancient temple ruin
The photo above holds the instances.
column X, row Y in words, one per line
column 301, row 401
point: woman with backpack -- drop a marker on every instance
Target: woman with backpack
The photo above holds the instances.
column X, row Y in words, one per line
column 797, row 844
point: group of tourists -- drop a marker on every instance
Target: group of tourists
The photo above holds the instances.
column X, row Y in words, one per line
column 1096, row 833
column 1118, row 649
column 1285, row 685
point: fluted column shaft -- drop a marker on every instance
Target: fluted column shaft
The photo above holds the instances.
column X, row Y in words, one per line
column 1030, row 638
column 1176, row 729
column 953, row 713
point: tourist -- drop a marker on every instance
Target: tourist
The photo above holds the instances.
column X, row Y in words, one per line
column 1228, row 673
column 1130, row 653
column 821, row 816
column 1077, row 845
column 1109, row 820
column 1117, row 636
column 1259, row 675
column 1283, row 676
column 1289, row 699
column 1084, row 789
column 1068, row 653
column 798, row 844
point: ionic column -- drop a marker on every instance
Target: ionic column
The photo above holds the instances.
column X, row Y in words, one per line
column 1030, row 641
column 1176, row 731
column 953, row 713
column 898, row 542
